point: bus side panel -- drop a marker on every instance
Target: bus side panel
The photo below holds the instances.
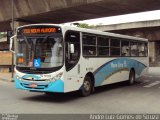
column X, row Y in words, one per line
column 117, row 70
column 116, row 77
column 73, row 79
column 105, row 71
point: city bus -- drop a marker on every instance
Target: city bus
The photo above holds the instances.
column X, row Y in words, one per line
column 54, row 58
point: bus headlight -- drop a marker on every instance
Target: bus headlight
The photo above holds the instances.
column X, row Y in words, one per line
column 18, row 78
column 57, row 77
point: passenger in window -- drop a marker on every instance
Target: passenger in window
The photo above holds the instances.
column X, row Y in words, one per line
column 141, row 49
column 134, row 50
column 57, row 53
column 125, row 51
column 91, row 52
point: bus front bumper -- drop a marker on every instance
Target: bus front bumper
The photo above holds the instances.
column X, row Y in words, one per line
column 56, row 86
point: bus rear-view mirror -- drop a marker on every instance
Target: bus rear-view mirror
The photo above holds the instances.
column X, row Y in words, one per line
column 71, row 48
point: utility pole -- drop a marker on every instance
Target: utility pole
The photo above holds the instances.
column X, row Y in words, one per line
column 13, row 34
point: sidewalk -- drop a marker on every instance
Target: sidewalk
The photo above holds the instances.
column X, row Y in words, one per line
column 155, row 71
column 6, row 77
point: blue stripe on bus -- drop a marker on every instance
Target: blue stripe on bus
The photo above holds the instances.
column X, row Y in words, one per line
column 116, row 65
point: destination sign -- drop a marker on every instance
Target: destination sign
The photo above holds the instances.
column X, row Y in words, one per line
column 38, row 30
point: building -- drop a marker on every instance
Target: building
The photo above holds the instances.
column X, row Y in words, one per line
column 4, row 46
column 6, row 56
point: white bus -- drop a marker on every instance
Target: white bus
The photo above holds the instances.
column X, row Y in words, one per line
column 57, row 58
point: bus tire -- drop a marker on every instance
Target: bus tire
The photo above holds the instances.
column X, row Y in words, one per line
column 131, row 80
column 87, row 87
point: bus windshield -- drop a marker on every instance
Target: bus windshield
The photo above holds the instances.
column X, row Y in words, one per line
column 40, row 52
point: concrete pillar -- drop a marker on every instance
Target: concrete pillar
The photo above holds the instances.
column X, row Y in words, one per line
column 17, row 24
column 152, row 51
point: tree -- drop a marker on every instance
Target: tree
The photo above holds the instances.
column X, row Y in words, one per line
column 2, row 34
column 83, row 25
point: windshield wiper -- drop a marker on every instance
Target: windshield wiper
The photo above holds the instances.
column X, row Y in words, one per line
column 27, row 42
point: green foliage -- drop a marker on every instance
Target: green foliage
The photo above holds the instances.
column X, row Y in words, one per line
column 2, row 35
column 85, row 25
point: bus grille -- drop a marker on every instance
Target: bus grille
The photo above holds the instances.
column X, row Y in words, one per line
column 33, row 80
column 26, row 85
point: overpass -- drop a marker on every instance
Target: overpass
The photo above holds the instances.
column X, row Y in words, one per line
column 145, row 29
column 61, row 11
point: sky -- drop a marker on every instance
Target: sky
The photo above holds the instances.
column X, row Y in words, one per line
column 142, row 16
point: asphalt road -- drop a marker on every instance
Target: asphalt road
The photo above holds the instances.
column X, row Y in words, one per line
column 142, row 97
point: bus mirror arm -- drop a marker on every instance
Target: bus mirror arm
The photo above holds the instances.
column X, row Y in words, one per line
column 11, row 43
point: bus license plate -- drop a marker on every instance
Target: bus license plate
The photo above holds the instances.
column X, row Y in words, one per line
column 32, row 85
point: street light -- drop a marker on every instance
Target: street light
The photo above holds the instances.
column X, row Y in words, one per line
column 13, row 33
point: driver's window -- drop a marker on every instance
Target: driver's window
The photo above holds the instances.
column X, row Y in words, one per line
column 72, row 49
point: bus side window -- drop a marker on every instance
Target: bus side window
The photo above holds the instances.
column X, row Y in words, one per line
column 103, row 46
column 115, row 47
column 89, row 45
column 125, row 48
column 141, row 50
column 72, row 39
column 146, row 49
column 134, row 49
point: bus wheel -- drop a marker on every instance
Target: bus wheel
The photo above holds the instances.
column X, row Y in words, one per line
column 131, row 77
column 86, row 87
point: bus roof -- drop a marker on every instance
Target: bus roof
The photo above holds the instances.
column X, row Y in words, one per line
column 85, row 30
